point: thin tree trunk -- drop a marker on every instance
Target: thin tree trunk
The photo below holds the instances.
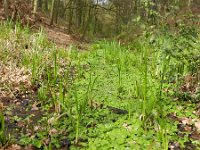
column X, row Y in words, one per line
column 40, row 2
column 79, row 12
column 6, row 9
column 45, row 5
column 32, row 3
column 52, row 12
column 189, row 4
column 118, row 20
column 35, row 8
column 71, row 13
column 57, row 5
column 87, row 23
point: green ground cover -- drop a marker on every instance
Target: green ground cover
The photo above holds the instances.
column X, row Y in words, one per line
column 113, row 96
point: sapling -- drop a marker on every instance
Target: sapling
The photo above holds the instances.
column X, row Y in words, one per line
column 2, row 129
column 78, row 113
column 144, row 106
column 119, row 68
column 55, row 66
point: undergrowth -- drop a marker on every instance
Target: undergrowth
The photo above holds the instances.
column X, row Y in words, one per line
column 111, row 97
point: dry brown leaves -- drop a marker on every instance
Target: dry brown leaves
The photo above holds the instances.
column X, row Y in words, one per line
column 191, row 83
column 61, row 39
column 14, row 147
column 17, row 147
column 188, row 125
column 13, row 79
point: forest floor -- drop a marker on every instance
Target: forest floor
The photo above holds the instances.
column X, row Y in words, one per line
column 55, row 33
column 27, row 107
column 58, row 35
column 23, row 105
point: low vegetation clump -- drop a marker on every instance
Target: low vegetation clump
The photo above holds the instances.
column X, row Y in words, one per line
column 143, row 95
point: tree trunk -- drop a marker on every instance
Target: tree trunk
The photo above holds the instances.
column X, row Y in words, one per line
column 79, row 11
column 87, row 23
column 35, row 8
column 118, row 24
column 40, row 2
column 189, row 4
column 45, row 5
column 71, row 13
column 52, row 12
column 57, row 12
column 6, row 9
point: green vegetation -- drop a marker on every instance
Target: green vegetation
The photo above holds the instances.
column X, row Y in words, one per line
column 114, row 96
